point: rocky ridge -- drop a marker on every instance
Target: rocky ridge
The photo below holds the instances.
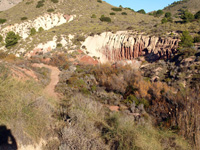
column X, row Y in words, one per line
column 47, row 21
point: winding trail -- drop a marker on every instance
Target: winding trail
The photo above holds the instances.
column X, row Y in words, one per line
column 54, row 79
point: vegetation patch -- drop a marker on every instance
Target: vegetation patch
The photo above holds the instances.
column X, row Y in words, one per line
column 105, row 19
column 2, row 21
column 24, row 18
column 50, row 10
column 54, row 1
column 116, row 9
column 40, row 3
column 124, row 13
column 11, row 39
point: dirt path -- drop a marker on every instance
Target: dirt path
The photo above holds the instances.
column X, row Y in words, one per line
column 54, row 79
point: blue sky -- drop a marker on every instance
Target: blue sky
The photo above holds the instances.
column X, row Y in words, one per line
column 147, row 5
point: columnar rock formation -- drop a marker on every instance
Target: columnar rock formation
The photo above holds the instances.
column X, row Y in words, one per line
column 128, row 45
column 47, row 21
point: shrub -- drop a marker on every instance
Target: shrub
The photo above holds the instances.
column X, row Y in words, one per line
column 2, row 21
column 99, row 1
column 78, row 39
column 186, row 40
column 112, row 13
column 105, row 19
column 142, row 11
column 33, row 31
column 159, row 13
column 93, row 16
column 24, row 18
column 1, row 38
column 50, row 10
column 11, row 39
column 40, row 29
column 197, row 39
column 124, row 13
column 164, row 20
column 59, row 45
column 168, row 14
column 197, row 15
column 186, row 52
column 54, row 1
column 3, row 54
column 40, row 3
column 116, row 9
column 28, row 3
column 187, row 17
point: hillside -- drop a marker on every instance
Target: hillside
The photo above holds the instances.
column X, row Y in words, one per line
column 84, row 75
column 190, row 5
column 7, row 4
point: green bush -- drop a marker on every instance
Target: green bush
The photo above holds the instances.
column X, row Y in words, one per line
column 159, row 13
column 40, row 3
column 124, row 13
column 33, row 31
column 112, row 13
column 187, row 17
column 186, row 52
column 164, row 20
column 168, row 14
column 24, row 18
column 197, row 39
column 99, row 1
column 2, row 21
column 11, row 39
column 93, row 16
column 40, row 29
column 59, row 45
column 54, row 1
column 197, row 15
column 116, row 9
column 142, row 11
column 1, row 38
column 105, row 19
column 186, row 40
column 50, row 10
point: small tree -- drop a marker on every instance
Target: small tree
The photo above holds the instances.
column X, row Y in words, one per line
column 142, row 11
column 159, row 13
column 11, row 39
column 186, row 40
column 168, row 15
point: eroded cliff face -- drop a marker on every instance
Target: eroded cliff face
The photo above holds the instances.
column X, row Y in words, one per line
column 129, row 45
column 47, row 21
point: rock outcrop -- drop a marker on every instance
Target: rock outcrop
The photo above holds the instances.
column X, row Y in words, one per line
column 129, row 45
column 47, row 21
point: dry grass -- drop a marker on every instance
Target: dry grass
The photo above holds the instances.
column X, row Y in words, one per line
column 21, row 106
